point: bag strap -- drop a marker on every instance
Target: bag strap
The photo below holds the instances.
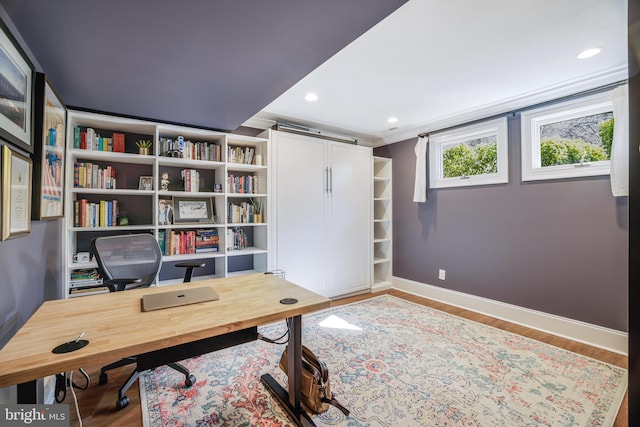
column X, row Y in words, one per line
column 337, row 404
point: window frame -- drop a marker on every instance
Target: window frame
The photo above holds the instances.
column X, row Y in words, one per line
column 438, row 142
column 532, row 120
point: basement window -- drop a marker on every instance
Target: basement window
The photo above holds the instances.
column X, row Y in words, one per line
column 567, row 140
column 470, row 155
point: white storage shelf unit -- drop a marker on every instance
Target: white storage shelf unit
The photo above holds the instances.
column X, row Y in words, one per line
column 382, row 222
column 140, row 206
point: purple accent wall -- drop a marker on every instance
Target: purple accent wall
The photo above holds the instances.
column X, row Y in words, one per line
column 557, row 246
column 30, row 273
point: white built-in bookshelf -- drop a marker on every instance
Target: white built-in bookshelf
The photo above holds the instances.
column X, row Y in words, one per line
column 382, row 222
column 214, row 182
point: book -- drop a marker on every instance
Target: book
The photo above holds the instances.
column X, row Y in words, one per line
column 207, row 241
column 76, row 137
column 161, row 241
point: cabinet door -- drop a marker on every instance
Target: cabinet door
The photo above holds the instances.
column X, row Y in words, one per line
column 300, row 194
column 350, row 198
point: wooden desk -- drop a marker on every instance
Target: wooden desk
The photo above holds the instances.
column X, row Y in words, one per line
column 116, row 327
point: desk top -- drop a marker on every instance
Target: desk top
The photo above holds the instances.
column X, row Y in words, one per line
column 116, row 327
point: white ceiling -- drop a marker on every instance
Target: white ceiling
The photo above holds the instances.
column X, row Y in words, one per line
column 437, row 63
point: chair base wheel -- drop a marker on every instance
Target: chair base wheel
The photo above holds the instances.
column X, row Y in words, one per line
column 191, row 380
column 122, row 403
column 103, row 379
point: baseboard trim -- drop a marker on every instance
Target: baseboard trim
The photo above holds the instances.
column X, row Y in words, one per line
column 597, row 336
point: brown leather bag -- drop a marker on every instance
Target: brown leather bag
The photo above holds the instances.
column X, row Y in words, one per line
column 316, row 391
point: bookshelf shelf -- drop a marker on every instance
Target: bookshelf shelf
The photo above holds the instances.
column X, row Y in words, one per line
column 101, row 140
column 246, row 251
column 107, row 156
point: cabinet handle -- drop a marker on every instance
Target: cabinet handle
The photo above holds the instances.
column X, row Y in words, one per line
column 330, row 180
column 326, row 180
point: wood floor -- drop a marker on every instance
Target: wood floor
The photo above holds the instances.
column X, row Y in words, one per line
column 97, row 403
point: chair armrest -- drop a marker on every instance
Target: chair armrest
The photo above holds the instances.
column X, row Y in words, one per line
column 117, row 285
column 190, row 265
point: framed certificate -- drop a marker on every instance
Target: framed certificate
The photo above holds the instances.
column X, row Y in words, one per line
column 16, row 194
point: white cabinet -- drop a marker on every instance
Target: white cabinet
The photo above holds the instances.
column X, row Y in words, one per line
column 382, row 223
column 321, row 204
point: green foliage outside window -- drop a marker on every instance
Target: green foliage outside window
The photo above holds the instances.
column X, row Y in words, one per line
column 555, row 152
column 468, row 160
column 606, row 135
column 579, row 140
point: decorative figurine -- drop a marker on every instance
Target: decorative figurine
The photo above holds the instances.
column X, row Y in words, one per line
column 164, row 182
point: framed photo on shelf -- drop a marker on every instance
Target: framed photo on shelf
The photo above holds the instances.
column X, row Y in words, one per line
column 192, row 210
column 145, row 183
column 50, row 119
column 16, row 194
column 16, row 91
column 165, row 212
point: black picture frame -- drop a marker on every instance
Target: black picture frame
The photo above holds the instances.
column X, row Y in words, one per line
column 145, row 182
column 50, row 124
column 192, row 210
column 16, row 92
column 165, row 211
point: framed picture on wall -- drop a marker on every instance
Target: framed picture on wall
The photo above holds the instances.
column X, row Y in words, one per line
column 50, row 119
column 16, row 92
column 16, row 194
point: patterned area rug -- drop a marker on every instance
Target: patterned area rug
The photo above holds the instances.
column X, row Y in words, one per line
column 394, row 363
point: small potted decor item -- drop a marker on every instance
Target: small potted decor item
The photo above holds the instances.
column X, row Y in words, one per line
column 143, row 146
column 257, row 210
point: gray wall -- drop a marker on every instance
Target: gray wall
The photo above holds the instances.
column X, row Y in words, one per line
column 558, row 246
column 30, row 273
column 30, row 266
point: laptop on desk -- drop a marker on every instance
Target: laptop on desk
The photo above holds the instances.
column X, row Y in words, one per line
column 177, row 298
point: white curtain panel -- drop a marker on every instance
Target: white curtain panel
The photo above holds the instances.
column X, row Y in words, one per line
column 620, row 146
column 420, row 188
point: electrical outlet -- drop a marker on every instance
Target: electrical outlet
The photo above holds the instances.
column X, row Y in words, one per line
column 442, row 274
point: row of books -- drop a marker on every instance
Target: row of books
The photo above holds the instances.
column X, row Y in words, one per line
column 181, row 242
column 88, row 139
column 191, row 150
column 84, row 279
column 237, row 239
column 244, row 155
column 244, row 213
column 245, row 184
column 91, row 175
column 90, row 214
column 191, row 179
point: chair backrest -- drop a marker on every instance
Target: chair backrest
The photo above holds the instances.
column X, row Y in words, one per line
column 128, row 256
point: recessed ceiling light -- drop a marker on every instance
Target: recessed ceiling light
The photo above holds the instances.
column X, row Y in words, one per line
column 311, row 97
column 589, row 53
column 392, row 120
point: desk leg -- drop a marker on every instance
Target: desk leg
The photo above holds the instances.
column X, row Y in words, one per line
column 27, row 392
column 291, row 401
